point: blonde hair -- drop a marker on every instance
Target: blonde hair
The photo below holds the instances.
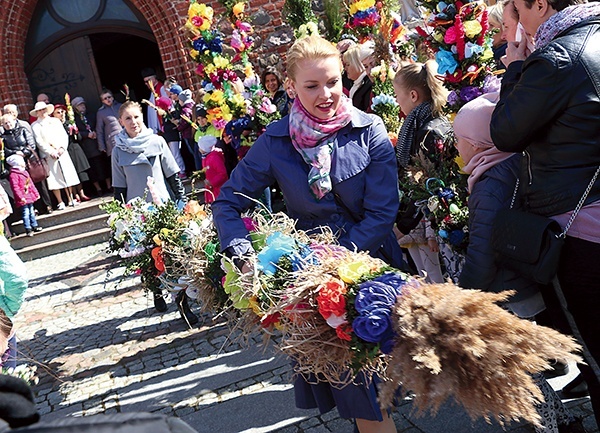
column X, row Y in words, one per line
column 129, row 104
column 423, row 77
column 495, row 15
column 310, row 48
column 352, row 57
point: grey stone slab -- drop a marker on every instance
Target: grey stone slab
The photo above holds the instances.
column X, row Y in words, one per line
column 451, row 418
column 207, row 374
column 271, row 410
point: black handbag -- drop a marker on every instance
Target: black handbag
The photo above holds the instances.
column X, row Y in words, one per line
column 531, row 244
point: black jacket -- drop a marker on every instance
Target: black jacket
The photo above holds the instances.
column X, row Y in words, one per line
column 549, row 109
column 362, row 97
column 16, row 140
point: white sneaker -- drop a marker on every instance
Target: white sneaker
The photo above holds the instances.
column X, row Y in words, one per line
column 61, row 206
column 74, row 203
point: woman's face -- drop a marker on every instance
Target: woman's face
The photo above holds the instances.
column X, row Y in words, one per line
column 132, row 120
column 60, row 114
column 510, row 22
column 271, row 83
column 497, row 38
column 318, row 85
column 9, row 123
column 465, row 149
column 352, row 72
column 405, row 98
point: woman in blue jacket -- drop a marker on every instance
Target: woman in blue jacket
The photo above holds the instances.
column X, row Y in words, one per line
column 336, row 167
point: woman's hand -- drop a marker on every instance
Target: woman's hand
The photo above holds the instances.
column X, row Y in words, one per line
column 434, row 247
column 516, row 51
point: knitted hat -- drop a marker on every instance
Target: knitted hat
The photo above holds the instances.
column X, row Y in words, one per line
column 15, row 160
column 164, row 103
column 201, row 111
column 472, row 122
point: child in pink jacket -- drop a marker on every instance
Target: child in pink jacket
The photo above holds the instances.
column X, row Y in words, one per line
column 24, row 191
column 213, row 164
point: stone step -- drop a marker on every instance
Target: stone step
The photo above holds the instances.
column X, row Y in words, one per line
column 60, row 231
column 60, row 245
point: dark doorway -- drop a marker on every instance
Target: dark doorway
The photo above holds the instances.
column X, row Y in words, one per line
column 120, row 58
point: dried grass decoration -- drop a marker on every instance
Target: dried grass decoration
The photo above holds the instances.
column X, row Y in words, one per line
column 457, row 343
column 192, row 259
column 344, row 315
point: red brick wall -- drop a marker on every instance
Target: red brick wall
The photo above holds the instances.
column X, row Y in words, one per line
column 166, row 19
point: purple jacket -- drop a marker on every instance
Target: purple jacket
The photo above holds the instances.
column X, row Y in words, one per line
column 362, row 206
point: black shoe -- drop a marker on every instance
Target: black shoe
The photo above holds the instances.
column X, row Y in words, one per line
column 557, row 368
column 184, row 309
column 37, row 229
column 159, row 303
column 577, row 388
column 29, row 233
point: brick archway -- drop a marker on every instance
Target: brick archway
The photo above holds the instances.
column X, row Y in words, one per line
column 165, row 19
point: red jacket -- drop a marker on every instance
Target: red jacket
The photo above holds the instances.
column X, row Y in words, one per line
column 23, row 187
column 216, row 174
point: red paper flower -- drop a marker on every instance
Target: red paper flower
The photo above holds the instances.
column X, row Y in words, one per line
column 331, row 299
column 344, row 332
column 268, row 320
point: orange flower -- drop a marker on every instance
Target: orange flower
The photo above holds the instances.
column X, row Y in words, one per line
column 159, row 263
column 331, row 299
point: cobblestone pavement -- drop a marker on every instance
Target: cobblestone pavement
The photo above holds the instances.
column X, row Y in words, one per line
column 101, row 348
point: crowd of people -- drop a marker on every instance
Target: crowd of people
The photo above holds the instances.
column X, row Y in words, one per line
column 334, row 164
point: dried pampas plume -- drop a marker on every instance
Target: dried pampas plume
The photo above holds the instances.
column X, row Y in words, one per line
column 458, row 343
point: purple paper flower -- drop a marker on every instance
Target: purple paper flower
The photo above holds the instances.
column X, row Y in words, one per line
column 453, row 98
column 491, row 83
column 469, row 93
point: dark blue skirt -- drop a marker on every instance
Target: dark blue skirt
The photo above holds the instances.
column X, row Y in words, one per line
column 355, row 400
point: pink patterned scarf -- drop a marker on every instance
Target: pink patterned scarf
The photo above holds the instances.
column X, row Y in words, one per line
column 564, row 19
column 313, row 138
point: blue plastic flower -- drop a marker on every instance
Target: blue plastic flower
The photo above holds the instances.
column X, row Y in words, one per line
column 278, row 245
column 471, row 49
column 446, row 62
column 446, row 194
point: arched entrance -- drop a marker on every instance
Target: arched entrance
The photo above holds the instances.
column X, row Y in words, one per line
column 80, row 47
column 33, row 29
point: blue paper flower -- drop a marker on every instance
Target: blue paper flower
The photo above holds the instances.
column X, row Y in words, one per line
column 374, row 303
column 278, row 245
column 471, row 49
column 446, row 62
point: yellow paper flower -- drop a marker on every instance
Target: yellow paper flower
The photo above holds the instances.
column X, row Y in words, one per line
column 238, row 100
column 472, row 28
column 194, row 53
column 487, row 54
column 249, row 70
column 216, row 96
column 221, row 62
column 157, row 240
column 361, row 5
column 193, row 10
column 438, row 37
column 253, row 302
column 238, row 8
column 350, row 272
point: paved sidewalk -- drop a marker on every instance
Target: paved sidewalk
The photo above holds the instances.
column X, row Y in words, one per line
column 101, row 348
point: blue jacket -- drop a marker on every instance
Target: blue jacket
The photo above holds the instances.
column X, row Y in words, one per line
column 361, row 208
column 491, row 193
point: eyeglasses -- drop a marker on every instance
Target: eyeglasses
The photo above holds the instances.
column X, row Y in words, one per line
column 104, row 98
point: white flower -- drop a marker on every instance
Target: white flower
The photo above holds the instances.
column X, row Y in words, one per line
column 335, row 321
